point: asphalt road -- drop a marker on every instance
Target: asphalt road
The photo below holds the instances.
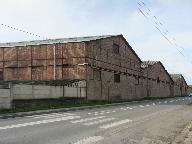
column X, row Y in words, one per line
column 105, row 125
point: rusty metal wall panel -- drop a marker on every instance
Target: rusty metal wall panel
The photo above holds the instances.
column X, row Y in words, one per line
column 37, row 73
column 11, row 64
column 10, row 54
column 24, row 73
column 58, row 62
column 24, row 64
column 1, row 54
column 39, row 52
column 24, row 53
column 73, row 50
column 39, row 63
column 10, row 74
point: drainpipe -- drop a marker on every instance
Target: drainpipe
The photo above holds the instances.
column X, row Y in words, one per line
column 54, row 51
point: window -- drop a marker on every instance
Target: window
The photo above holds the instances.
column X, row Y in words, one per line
column 96, row 74
column 116, row 78
column 158, row 80
column 116, row 48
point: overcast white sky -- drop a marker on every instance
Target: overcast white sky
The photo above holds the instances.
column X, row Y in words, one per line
column 71, row 18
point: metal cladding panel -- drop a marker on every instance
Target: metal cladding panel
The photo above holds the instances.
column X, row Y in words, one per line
column 73, row 50
column 24, row 74
column 25, row 64
column 10, row 73
column 37, row 73
column 39, row 63
column 68, row 73
column 74, row 73
column 48, row 74
column 1, row 54
column 39, row 52
column 59, row 51
column 10, row 54
column 68, row 60
column 51, row 62
column 11, row 64
column 77, row 61
column 24, row 53
column 68, row 50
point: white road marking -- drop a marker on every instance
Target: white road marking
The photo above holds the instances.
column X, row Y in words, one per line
column 39, row 122
column 99, row 121
column 129, row 108
column 50, row 116
column 87, row 119
column 141, row 106
column 89, row 140
column 102, row 113
column 114, row 124
column 43, row 115
column 147, row 105
column 154, row 104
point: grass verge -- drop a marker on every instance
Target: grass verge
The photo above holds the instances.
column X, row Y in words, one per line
column 36, row 107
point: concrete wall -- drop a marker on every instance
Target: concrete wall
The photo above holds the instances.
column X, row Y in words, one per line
column 5, row 98
column 28, row 92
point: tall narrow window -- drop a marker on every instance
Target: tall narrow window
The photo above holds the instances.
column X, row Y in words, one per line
column 158, row 80
column 116, row 48
column 117, row 78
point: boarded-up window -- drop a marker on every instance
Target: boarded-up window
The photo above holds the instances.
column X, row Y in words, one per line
column 116, row 48
column 117, row 78
column 96, row 74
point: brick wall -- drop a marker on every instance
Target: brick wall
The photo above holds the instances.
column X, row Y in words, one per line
column 101, row 56
column 159, row 82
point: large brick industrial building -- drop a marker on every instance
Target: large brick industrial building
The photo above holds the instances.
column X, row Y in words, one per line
column 180, row 85
column 92, row 68
column 159, row 82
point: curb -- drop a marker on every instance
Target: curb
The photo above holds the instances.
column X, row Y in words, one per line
column 22, row 114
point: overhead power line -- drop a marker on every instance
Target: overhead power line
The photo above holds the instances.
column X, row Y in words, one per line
column 147, row 13
column 23, row 31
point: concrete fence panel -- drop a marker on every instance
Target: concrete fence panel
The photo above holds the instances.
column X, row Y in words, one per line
column 5, row 98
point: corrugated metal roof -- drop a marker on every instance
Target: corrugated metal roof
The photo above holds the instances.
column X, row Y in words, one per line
column 53, row 41
column 146, row 64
